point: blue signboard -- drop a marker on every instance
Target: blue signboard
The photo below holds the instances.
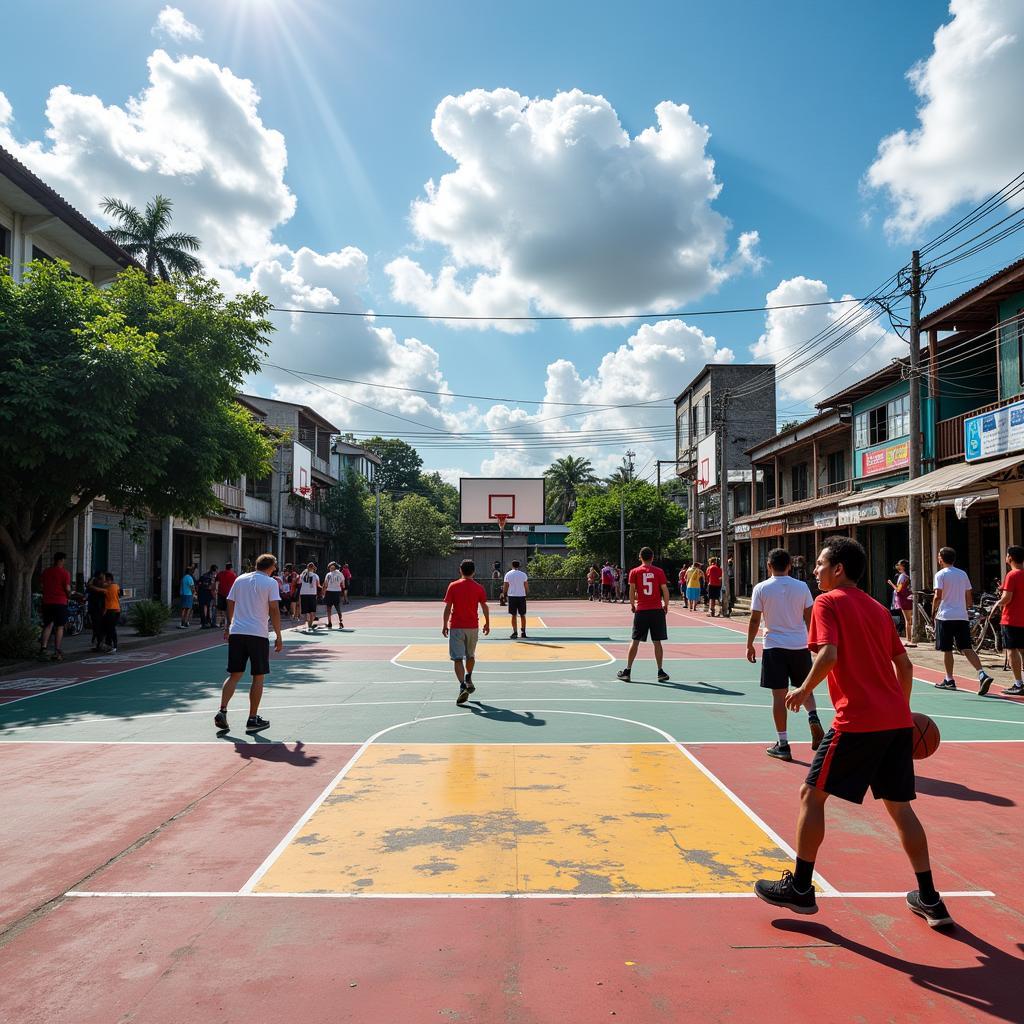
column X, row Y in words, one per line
column 994, row 433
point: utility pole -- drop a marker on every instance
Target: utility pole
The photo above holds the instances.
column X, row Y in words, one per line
column 280, row 505
column 914, row 500
column 723, row 497
column 630, row 455
column 376, row 551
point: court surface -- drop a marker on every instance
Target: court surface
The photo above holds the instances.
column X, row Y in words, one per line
column 566, row 847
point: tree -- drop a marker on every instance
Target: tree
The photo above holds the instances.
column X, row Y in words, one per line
column 350, row 512
column 621, row 475
column 145, row 236
column 443, row 496
column 400, row 463
column 789, row 424
column 650, row 519
column 415, row 529
column 565, row 477
column 126, row 392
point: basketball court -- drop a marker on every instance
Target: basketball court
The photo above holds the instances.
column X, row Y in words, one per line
column 564, row 847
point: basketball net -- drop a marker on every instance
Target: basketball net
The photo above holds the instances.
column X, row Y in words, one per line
column 502, row 518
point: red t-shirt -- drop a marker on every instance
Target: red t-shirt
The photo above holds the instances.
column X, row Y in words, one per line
column 225, row 579
column 863, row 686
column 648, row 580
column 54, row 582
column 464, row 596
column 714, row 575
column 1013, row 613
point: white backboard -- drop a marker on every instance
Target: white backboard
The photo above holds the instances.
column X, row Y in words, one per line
column 707, row 464
column 484, row 498
column 302, row 470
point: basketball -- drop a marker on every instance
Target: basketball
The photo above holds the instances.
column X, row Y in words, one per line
column 926, row 736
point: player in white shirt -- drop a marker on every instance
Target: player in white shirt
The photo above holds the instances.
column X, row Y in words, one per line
column 515, row 589
column 334, row 587
column 953, row 596
column 785, row 606
column 309, row 593
column 253, row 599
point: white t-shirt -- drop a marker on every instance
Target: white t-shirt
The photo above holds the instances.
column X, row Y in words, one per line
column 334, row 580
column 516, row 580
column 252, row 593
column 309, row 583
column 954, row 584
column 782, row 600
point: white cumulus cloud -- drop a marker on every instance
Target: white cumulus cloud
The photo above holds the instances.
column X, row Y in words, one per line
column 173, row 23
column 970, row 134
column 841, row 363
column 554, row 207
column 194, row 134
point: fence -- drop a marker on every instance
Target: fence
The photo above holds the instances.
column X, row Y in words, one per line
column 434, row 587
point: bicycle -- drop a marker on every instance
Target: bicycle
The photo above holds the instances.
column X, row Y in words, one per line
column 922, row 602
column 985, row 634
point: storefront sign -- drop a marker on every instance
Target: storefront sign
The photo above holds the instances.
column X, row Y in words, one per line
column 825, row 520
column 893, row 508
column 776, row 529
column 849, row 516
column 870, row 510
column 885, row 460
column 741, row 529
column 994, row 433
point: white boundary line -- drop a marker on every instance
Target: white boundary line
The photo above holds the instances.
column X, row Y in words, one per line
column 583, row 666
column 233, row 744
column 553, row 896
column 269, row 861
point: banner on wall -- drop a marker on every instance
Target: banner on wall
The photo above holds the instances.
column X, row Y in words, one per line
column 885, row 460
column 999, row 432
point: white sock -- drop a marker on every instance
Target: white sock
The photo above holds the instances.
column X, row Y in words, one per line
column 784, row 738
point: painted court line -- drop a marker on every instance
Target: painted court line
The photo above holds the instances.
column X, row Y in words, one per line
column 556, row 896
column 583, row 666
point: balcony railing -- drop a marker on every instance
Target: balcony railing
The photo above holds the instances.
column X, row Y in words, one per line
column 230, row 497
column 321, row 465
column 836, row 487
column 949, row 434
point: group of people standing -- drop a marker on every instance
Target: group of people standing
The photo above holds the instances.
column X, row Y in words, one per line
column 208, row 590
column 699, row 584
column 608, row 583
column 302, row 593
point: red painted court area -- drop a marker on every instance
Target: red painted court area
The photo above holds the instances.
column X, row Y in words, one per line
column 144, row 857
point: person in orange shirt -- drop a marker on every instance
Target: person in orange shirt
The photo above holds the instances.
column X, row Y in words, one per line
column 111, row 613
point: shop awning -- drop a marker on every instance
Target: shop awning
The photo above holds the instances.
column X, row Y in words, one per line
column 949, row 480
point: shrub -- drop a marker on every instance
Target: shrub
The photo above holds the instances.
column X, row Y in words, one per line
column 18, row 641
column 149, row 617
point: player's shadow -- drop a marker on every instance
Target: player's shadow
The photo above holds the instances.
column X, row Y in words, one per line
column 275, row 753
column 699, row 687
column 494, row 714
column 958, row 791
column 991, row 987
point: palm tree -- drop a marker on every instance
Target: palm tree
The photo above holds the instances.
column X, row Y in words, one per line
column 623, row 474
column 145, row 236
column 565, row 476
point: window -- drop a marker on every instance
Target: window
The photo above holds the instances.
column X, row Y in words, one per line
column 876, row 426
column 706, row 404
column 741, row 501
column 1019, row 327
column 799, row 481
column 5, row 242
column 258, row 488
column 898, row 416
column 836, row 467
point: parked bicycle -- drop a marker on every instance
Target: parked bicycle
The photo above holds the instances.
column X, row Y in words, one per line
column 985, row 634
column 923, row 603
column 76, row 615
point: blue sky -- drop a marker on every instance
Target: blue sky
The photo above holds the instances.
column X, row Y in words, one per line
column 797, row 98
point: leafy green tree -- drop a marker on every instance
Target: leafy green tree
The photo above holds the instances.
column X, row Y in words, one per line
column 349, row 508
column 442, row 494
column 415, row 529
column 650, row 519
column 565, row 477
column 621, row 475
column 145, row 236
column 564, row 566
column 400, row 463
column 126, row 392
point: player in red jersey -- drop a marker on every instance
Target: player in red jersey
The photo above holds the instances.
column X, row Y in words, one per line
column 648, row 597
column 461, row 624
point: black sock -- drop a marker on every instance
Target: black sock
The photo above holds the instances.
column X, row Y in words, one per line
column 803, row 875
column 223, row 710
column 926, row 887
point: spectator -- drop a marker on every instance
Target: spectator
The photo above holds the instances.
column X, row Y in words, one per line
column 96, row 599
column 592, row 577
column 111, row 613
column 187, row 592
column 714, row 585
column 207, row 585
column 309, row 590
column 1011, row 619
column 225, row 581
column 694, row 581
column 56, row 586
column 903, row 598
column 607, row 581
column 347, row 573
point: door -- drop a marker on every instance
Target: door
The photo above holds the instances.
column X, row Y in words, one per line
column 100, row 550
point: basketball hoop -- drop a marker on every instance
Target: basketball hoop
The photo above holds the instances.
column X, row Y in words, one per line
column 502, row 518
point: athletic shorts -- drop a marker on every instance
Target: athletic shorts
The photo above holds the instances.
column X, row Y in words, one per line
column 714, row 593
column 186, row 600
column 308, row 602
column 333, row 599
column 286, row 604
column 952, row 635
column 847, row 763
column 517, row 605
column 222, row 603
column 783, row 667
column 693, row 593
column 651, row 620
column 1013, row 637
column 57, row 615
column 252, row 650
column 205, row 597
column 607, row 589
column 462, row 643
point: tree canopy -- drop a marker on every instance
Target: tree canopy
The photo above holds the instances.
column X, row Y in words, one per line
column 127, row 393
column 400, row 463
column 145, row 236
column 565, row 477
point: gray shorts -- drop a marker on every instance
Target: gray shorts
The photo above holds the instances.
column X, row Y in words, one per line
column 462, row 643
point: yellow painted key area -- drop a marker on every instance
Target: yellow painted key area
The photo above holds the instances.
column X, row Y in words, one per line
column 463, row 819
column 502, row 651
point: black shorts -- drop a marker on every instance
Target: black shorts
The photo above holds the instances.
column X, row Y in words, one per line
column 206, row 597
column 333, row 599
column 55, row 614
column 517, row 605
column 847, row 763
column 607, row 589
column 308, row 602
column 782, row 667
column 652, row 621
column 714, row 593
column 252, row 650
column 222, row 603
column 1013, row 637
column 952, row 635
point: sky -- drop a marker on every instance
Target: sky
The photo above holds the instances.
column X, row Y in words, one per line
column 558, row 160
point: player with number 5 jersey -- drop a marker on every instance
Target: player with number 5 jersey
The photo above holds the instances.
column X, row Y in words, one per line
column 649, row 598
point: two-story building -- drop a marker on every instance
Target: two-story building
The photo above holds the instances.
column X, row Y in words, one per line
column 347, row 455
column 743, row 397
